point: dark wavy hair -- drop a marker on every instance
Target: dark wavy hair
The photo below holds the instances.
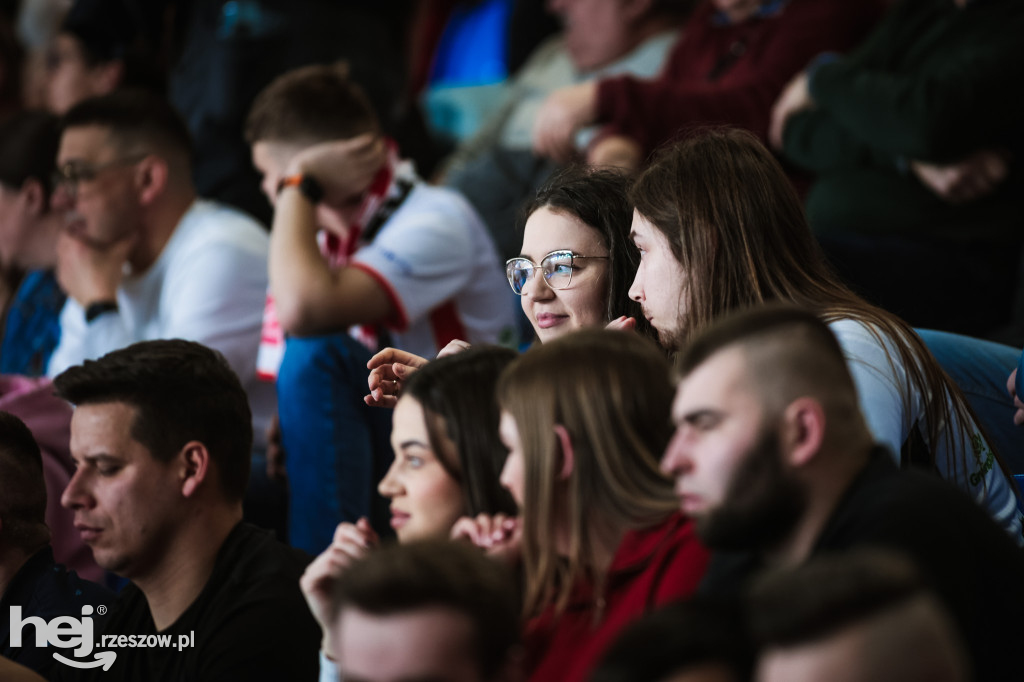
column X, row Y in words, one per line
column 598, row 197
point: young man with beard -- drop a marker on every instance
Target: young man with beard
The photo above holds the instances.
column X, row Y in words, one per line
column 773, row 458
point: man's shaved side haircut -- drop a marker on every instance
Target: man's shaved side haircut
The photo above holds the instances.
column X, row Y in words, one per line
column 313, row 104
column 788, row 351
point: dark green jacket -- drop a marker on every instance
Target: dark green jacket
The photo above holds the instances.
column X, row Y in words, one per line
column 933, row 83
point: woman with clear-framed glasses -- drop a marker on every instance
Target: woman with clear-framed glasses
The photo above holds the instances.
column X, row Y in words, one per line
column 574, row 271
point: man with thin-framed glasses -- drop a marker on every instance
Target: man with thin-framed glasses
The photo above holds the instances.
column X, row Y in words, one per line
column 139, row 255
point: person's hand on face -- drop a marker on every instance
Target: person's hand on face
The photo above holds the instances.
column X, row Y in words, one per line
column 351, row 542
column 88, row 273
column 500, row 536
column 344, row 168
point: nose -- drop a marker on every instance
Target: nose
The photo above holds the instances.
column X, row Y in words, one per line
column 676, row 461
column 636, row 289
column 389, row 485
column 536, row 288
column 76, row 495
column 506, row 476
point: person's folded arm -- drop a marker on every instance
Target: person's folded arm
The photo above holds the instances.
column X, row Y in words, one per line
column 816, row 142
column 938, row 115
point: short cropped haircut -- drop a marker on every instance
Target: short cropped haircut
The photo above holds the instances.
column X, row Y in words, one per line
column 312, row 104
column 438, row 574
column 22, row 486
column 811, row 602
column 701, row 631
column 182, row 391
column 136, row 120
column 28, row 149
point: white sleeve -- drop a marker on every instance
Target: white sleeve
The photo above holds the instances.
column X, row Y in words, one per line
column 880, row 388
column 212, row 293
column 980, row 475
column 422, row 261
column 879, row 391
column 81, row 340
column 215, row 295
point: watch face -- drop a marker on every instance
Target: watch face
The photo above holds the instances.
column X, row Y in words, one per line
column 311, row 189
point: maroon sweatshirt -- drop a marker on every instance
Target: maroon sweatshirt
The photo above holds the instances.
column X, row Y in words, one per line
column 721, row 73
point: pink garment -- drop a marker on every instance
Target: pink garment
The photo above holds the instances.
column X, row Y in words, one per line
column 49, row 418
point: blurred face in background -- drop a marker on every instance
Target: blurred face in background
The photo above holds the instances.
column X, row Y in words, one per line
column 598, row 32
column 70, row 78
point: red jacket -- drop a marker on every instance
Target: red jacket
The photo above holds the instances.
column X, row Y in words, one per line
column 731, row 73
column 651, row 567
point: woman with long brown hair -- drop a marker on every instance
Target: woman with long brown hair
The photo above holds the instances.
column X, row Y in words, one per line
column 585, row 419
column 720, row 228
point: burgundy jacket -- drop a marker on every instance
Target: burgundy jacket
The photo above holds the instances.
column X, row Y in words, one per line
column 651, row 567
column 731, row 74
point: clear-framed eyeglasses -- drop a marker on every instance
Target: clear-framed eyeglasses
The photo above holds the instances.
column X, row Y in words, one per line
column 69, row 175
column 557, row 267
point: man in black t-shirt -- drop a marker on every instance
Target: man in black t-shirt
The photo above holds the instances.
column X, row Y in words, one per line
column 161, row 435
column 774, row 460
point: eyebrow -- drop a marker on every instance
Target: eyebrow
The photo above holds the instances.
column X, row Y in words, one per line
column 694, row 415
column 94, row 458
column 411, row 443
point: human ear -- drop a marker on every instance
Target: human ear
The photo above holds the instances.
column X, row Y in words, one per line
column 568, row 457
column 33, row 196
column 151, row 178
column 195, row 467
column 107, row 77
column 803, row 431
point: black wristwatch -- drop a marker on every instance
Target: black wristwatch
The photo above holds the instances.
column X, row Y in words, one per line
column 97, row 308
column 307, row 184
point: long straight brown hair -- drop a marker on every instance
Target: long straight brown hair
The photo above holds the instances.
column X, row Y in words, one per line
column 612, row 393
column 736, row 225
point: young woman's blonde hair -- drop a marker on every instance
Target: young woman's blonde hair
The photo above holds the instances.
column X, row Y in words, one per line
column 735, row 224
column 612, row 393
